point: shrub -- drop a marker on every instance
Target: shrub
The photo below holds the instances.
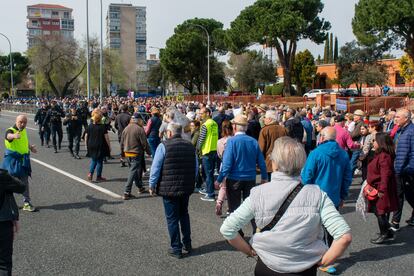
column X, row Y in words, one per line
column 5, row 95
column 268, row 90
column 277, row 89
column 411, row 95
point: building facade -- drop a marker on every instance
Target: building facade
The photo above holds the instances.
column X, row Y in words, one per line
column 46, row 20
column 127, row 33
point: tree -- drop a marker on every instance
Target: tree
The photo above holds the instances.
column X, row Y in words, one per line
column 280, row 23
column 359, row 65
column 407, row 68
column 326, row 52
column 331, row 49
column 20, row 68
column 304, row 71
column 58, row 59
column 156, row 76
column 251, row 70
column 184, row 57
column 319, row 60
column 336, row 51
column 385, row 22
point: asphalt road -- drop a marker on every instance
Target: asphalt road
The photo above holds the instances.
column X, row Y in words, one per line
column 79, row 230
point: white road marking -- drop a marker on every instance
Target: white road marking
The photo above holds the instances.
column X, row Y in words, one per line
column 80, row 180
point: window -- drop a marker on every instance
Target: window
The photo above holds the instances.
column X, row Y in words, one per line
column 46, row 22
column 55, row 13
column 46, row 32
column 66, row 15
column 35, row 32
column 399, row 80
column 55, row 23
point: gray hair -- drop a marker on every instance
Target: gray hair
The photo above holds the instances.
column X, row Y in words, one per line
column 175, row 128
column 288, row 155
column 240, row 128
column 329, row 133
column 406, row 113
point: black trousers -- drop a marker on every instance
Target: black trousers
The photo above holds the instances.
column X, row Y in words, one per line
column 236, row 190
column 405, row 188
column 74, row 139
column 56, row 129
column 44, row 134
column 6, row 248
column 262, row 270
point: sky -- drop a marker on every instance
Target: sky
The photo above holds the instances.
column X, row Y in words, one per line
column 162, row 17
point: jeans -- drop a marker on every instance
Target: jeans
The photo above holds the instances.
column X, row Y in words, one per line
column 176, row 213
column 209, row 161
column 135, row 173
column 26, row 194
column 405, row 188
column 74, row 138
column 236, row 190
column 153, row 143
column 6, row 247
column 56, row 128
column 98, row 164
column 44, row 134
column 354, row 160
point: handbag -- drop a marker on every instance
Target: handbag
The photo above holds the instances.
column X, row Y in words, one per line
column 370, row 192
column 282, row 209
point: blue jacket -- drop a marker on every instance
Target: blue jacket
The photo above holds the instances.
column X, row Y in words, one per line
column 404, row 159
column 240, row 158
column 307, row 125
column 17, row 164
column 328, row 166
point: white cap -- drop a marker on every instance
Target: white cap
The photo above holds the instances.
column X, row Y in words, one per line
column 271, row 114
column 191, row 115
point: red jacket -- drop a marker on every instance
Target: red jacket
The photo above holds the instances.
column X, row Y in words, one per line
column 381, row 175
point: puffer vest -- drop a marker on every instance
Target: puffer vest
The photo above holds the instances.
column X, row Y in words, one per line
column 178, row 171
column 296, row 242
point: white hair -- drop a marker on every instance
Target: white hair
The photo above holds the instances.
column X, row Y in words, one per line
column 289, row 156
column 240, row 128
column 175, row 128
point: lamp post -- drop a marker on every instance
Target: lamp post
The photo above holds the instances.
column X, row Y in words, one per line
column 88, row 73
column 162, row 73
column 11, row 63
column 208, row 59
column 101, row 60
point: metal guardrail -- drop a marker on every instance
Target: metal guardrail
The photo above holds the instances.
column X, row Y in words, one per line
column 21, row 108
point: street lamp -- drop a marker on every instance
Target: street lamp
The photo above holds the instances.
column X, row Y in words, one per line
column 162, row 73
column 11, row 63
column 100, row 61
column 88, row 73
column 208, row 59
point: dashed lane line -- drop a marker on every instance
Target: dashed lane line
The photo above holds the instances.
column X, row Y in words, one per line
column 78, row 179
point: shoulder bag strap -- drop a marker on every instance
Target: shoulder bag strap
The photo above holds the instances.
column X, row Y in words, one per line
column 283, row 208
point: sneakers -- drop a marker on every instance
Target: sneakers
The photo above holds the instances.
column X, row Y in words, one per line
column 142, row 190
column 207, row 198
column 128, row 196
column 187, row 249
column 383, row 238
column 28, row 207
column 203, row 192
column 177, row 255
column 394, row 226
column 410, row 221
column 76, row 156
column 196, row 190
column 89, row 177
column 100, row 179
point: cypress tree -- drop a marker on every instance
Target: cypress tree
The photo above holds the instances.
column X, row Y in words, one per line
column 336, row 50
column 331, row 49
column 326, row 52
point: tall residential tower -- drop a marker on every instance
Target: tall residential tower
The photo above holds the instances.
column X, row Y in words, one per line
column 127, row 32
column 46, row 20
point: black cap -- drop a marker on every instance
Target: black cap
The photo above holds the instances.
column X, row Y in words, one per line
column 340, row 118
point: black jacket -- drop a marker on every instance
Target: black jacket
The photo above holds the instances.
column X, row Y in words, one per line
column 121, row 122
column 54, row 116
column 295, row 129
column 9, row 185
column 178, row 171
column 40, row 116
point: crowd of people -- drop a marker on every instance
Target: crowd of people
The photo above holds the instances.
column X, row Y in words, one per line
column 306, row 157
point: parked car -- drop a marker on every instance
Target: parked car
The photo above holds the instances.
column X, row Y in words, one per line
column 221, row 94
column 311, row 94
column 349, row 93
column 239, row 93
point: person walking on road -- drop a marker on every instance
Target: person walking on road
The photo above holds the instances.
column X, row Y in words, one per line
column 267, row 137
column 44, row 132
column 9, row 219
column 135, row 145
column 17, row 157
column 240, row 159
column 404, row 165
column 381, row 176
column 173, row 173
column 294, row 244
column 54, row 116
column 73, row 125
column 97, row 144
column 121, row 122
column 207, row 144
column 152, row 130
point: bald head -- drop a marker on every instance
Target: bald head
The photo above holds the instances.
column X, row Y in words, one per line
column 403, row 117
column 328, row 134
column 21, row 122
